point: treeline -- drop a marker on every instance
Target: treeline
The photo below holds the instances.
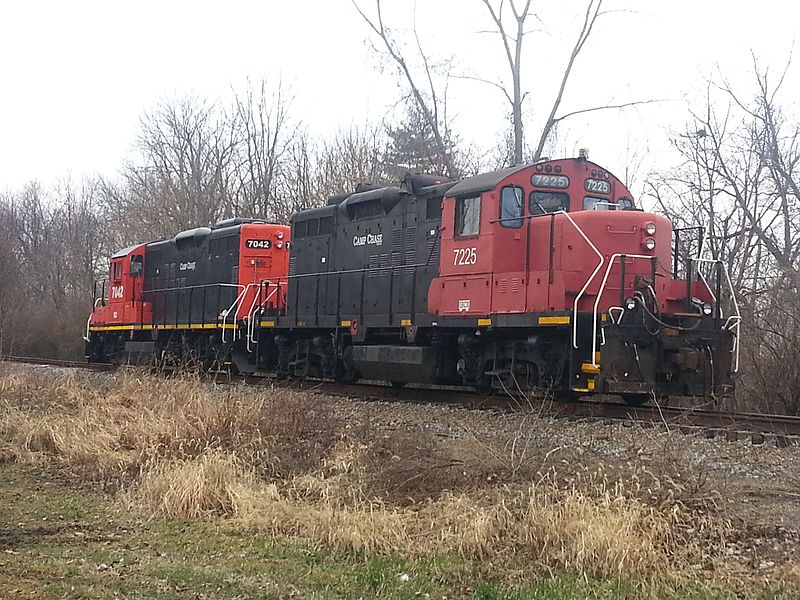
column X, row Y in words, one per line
column 193, row 163
column 739, row 178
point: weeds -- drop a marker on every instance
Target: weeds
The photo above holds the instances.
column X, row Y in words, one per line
column 287, row 463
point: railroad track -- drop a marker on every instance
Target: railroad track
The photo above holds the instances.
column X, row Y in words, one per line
column 784, row 429
column 51, row 362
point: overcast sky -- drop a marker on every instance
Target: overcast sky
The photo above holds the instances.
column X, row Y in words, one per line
column 76, row 76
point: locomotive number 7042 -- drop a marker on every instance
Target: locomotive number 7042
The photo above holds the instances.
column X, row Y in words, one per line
column 464, row 256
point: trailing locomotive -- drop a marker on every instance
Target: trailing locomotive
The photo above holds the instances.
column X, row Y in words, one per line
column 189, row 298
column 540, row 276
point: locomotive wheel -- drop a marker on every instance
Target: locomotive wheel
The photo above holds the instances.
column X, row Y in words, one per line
column 636, row 399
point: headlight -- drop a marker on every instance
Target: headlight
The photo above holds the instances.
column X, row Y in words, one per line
column 650, row 243
column 707, row 309
column 630, row 303
column 650, row 229
column 280, row 234
column 279, row 245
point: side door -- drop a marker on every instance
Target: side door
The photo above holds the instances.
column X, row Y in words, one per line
column 466, row 258
column 511, row 245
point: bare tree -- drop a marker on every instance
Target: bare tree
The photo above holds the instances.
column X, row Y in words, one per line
column 265, row 138
column 514, row 57
column 429, row 102
column 739, row 179
column 180, row 177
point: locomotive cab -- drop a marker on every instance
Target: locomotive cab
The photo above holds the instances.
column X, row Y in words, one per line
column 584, row 286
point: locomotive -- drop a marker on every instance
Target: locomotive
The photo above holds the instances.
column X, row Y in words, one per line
column 186, row 299
column 543, row 276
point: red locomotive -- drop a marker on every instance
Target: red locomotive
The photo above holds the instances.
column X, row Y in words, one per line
column 189, row 297
column 540, row 276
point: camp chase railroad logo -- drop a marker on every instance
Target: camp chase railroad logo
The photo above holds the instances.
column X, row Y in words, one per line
column 368, row 239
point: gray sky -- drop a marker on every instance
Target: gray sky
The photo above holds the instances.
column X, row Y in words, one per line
column 76, row 76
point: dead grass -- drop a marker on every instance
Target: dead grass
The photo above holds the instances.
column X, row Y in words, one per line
column 285, row 463
column 210, row 485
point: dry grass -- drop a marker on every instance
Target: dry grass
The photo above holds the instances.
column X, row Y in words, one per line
column 115, row 429
column 283, row 462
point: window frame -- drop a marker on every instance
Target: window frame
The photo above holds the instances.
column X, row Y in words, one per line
column 607, row 203
column 116, row 269
column 517, row 221
column 137, row 259
column 458, row 217
column 564, row 206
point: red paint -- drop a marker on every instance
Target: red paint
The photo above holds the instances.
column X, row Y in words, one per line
column 265, row 268
column 512, row 270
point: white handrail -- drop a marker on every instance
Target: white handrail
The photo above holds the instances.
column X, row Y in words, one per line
column 87, row 337
column 251, row 322
column 225, row 313
column 733, row 322
column 600, row 294
column 588, row 281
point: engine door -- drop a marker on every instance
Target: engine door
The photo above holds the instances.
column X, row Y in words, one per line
column 511, row 240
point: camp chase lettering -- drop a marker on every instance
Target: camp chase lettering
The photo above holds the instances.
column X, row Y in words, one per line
column 375, row 239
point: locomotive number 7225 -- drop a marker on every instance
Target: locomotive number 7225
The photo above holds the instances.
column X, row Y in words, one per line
column 464, row 256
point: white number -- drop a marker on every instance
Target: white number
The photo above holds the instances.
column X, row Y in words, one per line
column 117, row 291
column 464, row 256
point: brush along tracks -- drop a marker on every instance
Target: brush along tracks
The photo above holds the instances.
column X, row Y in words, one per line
column 782, row 430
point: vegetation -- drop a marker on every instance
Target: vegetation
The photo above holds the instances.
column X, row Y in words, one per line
column 178, row 484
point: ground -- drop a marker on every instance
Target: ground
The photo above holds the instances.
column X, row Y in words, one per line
column 132, row 486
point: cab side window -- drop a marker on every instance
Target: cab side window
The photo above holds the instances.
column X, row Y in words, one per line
column 468, row 216
column 116, row 270
column 512, row 202
column 542, row 203
column 136, row 265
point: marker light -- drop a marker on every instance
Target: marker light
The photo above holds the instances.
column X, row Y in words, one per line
column 650, row 243
column 650, row 229
column 707, row 309
column 630, row 303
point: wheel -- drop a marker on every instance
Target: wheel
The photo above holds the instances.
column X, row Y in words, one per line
column 637, row 399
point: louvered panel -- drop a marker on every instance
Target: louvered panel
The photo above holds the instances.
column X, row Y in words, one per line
column 384, row 262
column 411, row 255
column 374, row 263
column 292, row 265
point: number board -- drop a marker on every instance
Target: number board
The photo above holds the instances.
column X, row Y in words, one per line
column 597, row 186
column 261, row 244
column 550, row 181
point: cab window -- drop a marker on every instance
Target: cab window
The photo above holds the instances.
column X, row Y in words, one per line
column 468, row 216
column 116, row 270
column 595, row 203
column 512, row 202
column 542, row 203
column 136, row 266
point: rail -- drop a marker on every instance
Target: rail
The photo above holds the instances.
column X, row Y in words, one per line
column 235, row 308
column 254, row 306
column 734, row 320
column 602, row 288
column 588, row 281
column 87, row 336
